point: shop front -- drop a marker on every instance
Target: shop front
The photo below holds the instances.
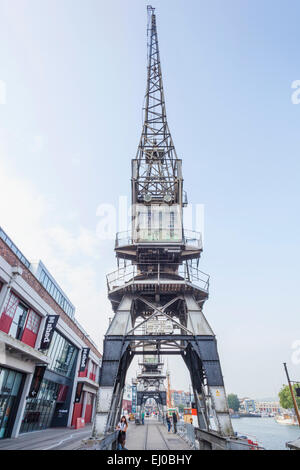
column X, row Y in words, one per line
column 39, row 411
column 49, row 399
column 11, row 385
column 50, row 407
column 85, row 399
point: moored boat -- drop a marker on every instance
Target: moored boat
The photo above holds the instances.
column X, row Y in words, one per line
column 286, row 419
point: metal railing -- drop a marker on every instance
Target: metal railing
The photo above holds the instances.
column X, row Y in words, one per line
column 212, row 440
column 109, row 442
column 159, row 274
column 192, row 238
column 187, row 432
column 188, row 238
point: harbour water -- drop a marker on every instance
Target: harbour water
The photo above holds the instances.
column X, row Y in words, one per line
column 269, row 434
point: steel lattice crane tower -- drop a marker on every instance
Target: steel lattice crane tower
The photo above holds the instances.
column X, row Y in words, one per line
column 150, row 382
column 158, row 292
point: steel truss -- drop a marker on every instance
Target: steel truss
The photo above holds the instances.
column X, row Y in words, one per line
column 196, row 344
column 156, row 169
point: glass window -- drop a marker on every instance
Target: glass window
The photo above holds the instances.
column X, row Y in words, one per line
column 21, row 316
column 16, row 385
column 49, row 284
column 45, row 281
column 17, row 325
column 10, row 382
column 39, row 411
column 8, row 385
column 172, row 220
column 56, row 294
column 33, row 322
column 11, row 305
column 14, row 249
column 158, row 222
column 51, row 291
column 62, row 354
column 42, row 277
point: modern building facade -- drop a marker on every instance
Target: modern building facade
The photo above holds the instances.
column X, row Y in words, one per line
column 249, row 405
column 49, row 367
column 268, row 407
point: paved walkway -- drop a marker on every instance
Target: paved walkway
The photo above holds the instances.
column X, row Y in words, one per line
column 153, row 436
column 48, row 439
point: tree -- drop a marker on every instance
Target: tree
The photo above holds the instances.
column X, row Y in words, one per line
column 233, row 401
column 181, row 408
column 285, row 397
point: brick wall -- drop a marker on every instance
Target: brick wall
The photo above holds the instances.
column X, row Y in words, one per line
column 27, row 275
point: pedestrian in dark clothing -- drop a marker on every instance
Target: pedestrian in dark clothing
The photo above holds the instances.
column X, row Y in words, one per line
column 168, row 422
column 174, row 416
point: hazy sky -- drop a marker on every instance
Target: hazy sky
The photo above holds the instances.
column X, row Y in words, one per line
column 72, row 83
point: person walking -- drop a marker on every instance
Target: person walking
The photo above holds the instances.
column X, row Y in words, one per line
column 168, row 422
column 143, row 417
column 122, row 428
column 174, row 416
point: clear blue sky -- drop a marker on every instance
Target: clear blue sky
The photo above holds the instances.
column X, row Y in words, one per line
column 75, row 75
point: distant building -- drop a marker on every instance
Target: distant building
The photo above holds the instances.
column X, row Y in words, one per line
column 179, row 397
column 268, row 407
column 247, row 405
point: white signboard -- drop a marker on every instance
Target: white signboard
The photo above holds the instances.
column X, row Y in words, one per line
column 159, row 326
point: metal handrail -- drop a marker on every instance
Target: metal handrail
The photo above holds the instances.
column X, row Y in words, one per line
column 107, row 442
column 190, row 238
column 131, row 274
